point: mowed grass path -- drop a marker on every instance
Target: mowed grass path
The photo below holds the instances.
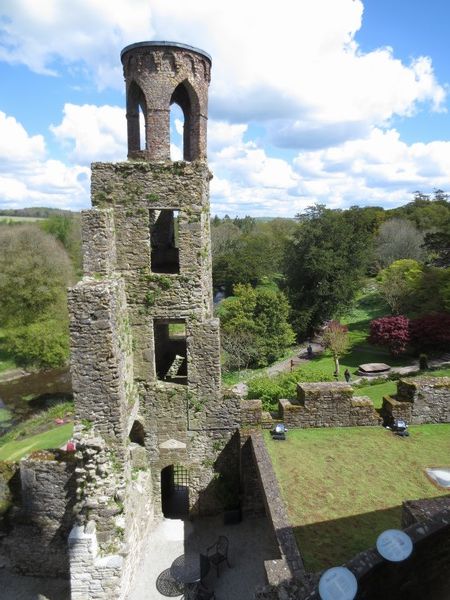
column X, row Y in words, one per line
column 54, row 438
column 343, row 487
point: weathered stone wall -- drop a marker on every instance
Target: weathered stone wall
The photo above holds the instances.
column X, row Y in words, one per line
column 327, row 405
column 92, row 576
column 419, row 400
column 101, row 361
column 37, row 543
column 291, row 563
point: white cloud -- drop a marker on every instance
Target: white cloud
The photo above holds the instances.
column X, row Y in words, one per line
column 93, row 133
column 379, row 169
column 43, row 34
column 15, row 143
column 295, row 61
column 29, row 178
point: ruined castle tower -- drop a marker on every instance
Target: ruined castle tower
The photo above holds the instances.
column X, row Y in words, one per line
column 155, row 433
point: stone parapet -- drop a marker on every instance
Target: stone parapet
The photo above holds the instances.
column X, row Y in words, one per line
column 429, row 398
column 251, row 412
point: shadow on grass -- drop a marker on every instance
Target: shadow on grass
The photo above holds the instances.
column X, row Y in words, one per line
column 423, row 575
column 332, row 543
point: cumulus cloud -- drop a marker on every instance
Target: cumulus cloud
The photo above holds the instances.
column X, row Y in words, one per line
column 29, row 178
column 16, row 145
column 89, row 34
column 297, row 61
column 93, row 133
column 379, row 169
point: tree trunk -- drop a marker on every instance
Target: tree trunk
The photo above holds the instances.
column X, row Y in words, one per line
column 336, row 365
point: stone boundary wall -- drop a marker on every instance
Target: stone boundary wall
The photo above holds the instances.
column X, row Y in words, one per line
column 419, row 400
column 328, row 404
column 291, row 563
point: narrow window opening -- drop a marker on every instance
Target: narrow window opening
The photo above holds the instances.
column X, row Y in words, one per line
column 142, row 130
column 171, row 350
column 165, row 256
column 137, row 434
column 185, row 97
column 176, row 132
column 136, row 118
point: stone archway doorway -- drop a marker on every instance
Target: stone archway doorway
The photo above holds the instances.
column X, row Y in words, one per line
column 175, row 492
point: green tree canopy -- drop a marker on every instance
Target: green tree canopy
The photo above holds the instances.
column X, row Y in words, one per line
column 261, row 314
column 34, row 273
column 325, row 262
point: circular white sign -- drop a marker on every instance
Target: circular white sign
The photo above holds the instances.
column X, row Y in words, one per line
column 394, row 545
column 338, row 583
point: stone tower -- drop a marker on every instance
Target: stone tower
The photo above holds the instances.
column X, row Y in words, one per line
column 155, row 433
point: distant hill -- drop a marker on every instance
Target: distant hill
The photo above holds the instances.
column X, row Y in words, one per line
column 35, row 212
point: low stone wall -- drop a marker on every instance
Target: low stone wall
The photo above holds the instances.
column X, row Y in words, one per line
column 419, row 400
column 40, row 524
column 291, row 563
column 327, row 405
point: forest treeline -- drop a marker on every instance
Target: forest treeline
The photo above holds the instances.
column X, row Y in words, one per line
column 281, row 278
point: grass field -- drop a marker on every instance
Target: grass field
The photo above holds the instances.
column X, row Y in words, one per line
column 7, row 219
column 54, row 438
column 39, row 432
column 343, row 487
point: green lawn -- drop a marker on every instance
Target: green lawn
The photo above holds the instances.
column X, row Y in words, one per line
column 54, row 438
column 343, row 487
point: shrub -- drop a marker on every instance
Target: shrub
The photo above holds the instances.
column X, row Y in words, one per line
column 271, row 389
column 392, row 332
column 431, row 332
column 43, row 344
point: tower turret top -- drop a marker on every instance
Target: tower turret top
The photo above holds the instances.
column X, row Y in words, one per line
column 164, row 45
column 157, row 75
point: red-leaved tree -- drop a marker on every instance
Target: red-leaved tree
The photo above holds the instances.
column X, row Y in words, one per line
column 392, row 332
column 431, row 332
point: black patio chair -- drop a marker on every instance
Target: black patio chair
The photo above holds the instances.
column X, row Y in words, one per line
column 204, row 568
column 218, row 553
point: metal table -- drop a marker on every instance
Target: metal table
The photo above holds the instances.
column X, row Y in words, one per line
column 186, row 568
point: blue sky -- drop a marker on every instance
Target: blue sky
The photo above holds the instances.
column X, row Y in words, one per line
column 340, row 102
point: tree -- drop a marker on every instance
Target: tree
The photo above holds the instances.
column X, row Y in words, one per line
column 34, row 273
column 66, row 228
column 260, row 315
column 398, row 283
column 325, row 262
column 398, row 239
column 392, row 332
column 335, row 338
column 437, row 244
column 240, row 349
